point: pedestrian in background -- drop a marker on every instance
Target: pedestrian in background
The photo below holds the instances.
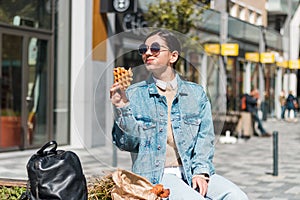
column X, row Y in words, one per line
column 291, row 105
column 252, row 102
column 282, row 101
column 166, row 124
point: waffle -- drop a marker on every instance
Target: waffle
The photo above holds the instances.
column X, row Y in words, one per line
column 160, row 191
column 123, row 77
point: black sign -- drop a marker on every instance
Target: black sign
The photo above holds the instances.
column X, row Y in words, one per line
column 118, row 6
column 132, row 22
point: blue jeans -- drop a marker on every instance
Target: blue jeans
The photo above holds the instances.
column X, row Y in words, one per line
column 289, row 113
column 282, row 111
column 259, row 123
column 218, row 188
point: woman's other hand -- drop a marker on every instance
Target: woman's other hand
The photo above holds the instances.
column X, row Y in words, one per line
column 200, row 182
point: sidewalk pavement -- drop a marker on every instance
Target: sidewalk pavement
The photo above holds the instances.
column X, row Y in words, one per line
column 248, row 163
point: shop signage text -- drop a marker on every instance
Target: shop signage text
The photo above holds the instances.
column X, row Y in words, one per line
column 230, row 49
column 294, row 64
column 267, row 57
column 284, row 64
column 135, row 22
column 212, row 48
column 252, row 56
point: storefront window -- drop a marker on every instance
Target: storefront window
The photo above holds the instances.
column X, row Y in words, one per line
column 210, row 21
column 269, row 103
column 239, row 29
column 37, row 97
column 213, row 80
column 231, row 83
column 10, row 91
column 34, row 13
column 273, row 40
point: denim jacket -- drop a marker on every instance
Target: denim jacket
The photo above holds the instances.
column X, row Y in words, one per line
column 141, row 128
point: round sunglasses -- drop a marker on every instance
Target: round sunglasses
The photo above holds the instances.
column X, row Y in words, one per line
column 154, row 48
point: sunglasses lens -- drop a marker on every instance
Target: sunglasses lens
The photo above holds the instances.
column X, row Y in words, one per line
column 155, row 48
column 142, row 49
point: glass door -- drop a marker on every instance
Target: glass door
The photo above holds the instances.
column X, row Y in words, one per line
column 25, row 94
column 37, row 98
column 11, row 91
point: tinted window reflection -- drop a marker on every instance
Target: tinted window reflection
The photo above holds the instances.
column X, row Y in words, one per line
column 33, row 13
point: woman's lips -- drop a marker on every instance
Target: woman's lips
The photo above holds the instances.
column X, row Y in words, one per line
column 149, row 61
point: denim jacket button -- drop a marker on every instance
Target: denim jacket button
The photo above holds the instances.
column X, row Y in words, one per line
column 157, row 163
column 154, row 181
column 160, row 129
column 158, row 147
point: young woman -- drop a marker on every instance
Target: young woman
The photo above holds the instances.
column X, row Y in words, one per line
column 166, row 124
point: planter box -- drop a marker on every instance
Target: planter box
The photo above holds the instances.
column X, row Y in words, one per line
column 10, row 134
column 12, row 189
column 12, row 182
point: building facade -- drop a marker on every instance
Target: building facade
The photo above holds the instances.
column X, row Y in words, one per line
column 35, row 73
column 57, row 58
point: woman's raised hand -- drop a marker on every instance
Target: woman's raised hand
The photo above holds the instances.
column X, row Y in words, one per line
column 118, row 96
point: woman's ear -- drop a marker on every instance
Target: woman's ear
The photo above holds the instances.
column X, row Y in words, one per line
column 174, row 56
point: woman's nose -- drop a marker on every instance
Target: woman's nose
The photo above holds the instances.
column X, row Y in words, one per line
column 148, row 52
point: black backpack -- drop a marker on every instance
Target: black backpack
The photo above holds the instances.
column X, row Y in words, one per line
column 56, row 175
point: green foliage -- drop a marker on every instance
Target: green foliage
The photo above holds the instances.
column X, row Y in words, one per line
column 98, row 189
column 180, row 15
column 9, row 112
column 101, row 188
column 11, row 193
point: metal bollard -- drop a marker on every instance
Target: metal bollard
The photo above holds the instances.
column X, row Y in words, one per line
column 114, row 156
column 275, row 153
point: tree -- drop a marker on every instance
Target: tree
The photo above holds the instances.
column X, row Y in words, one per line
column 178, row 15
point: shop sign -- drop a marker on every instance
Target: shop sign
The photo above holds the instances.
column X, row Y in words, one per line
column 294, row 64
column 118, row 6
column 252, row 56
column 121, row 5
column 135, row 22
column 212, row 48
column 284, row 64
column 267, row 57
column 230, row 49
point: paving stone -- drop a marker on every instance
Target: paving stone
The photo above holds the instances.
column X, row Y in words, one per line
column 248, row 163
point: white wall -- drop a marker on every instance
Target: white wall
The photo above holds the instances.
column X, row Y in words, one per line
column 79, row 40
column 294, row 46
column 91, row 113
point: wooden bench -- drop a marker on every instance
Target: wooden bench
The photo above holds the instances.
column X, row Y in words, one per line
column 12, row 182
column 226, row 122
column 244, row 127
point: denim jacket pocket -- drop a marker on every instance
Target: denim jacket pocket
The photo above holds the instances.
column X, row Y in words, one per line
column 147, row 123
column 192, row 123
